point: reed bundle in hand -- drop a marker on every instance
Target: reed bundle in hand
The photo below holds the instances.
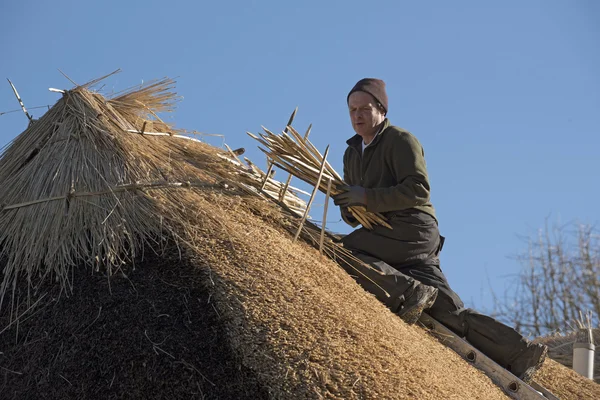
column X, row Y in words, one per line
column 298, row 156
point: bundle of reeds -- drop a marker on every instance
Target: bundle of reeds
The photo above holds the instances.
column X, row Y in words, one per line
column 298, row 156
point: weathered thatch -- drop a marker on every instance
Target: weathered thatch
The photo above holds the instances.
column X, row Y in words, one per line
column 201, row 291
column 153, row 334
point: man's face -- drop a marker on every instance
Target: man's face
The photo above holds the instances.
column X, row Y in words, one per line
column 364, row 114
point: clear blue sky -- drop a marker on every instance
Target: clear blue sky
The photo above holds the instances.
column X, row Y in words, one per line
column 503, row 95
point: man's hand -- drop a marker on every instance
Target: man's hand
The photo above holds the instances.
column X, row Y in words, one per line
column 348, row 217
column 346, row 213
column 351, row 196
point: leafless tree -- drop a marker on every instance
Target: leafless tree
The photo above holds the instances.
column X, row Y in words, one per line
column 559, row 280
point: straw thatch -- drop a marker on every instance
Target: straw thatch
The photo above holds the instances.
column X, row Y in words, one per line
column 82, row 183
column 200, row 292
column 73, row 184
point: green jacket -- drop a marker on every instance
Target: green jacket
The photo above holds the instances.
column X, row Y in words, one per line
column 392, row 169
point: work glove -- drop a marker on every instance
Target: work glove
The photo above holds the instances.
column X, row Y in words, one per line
column 351, row 196
column 348, row 217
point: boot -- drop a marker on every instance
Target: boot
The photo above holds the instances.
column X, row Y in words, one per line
column 528, row 361
column 419, row 299
column 503, row 344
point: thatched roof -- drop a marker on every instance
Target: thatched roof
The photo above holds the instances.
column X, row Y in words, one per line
column 560, row 348
column 139, row 268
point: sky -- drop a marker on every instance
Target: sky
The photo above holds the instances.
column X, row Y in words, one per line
column 504, row 96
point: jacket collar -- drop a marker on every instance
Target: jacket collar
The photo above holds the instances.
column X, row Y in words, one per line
column 356, row 140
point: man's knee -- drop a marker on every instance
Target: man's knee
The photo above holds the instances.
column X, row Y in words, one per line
column 432, row 275
column 454, row 318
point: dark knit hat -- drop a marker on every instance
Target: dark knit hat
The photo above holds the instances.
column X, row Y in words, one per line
column 375, row 87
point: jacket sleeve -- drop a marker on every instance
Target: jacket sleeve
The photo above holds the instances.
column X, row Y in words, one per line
column 345, row 161
column 406, row 161
column 346, row 216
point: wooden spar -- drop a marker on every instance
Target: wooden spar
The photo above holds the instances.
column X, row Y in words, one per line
column 233, row 154
column 112, row 190
column 325, row 216
column 264, row 182
column 289, row 179
column 291, row 118
column 313, row 195
column 163, row 134
column 20, row 101
column 270, row 162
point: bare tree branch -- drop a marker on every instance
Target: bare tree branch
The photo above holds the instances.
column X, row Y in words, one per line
column 559, row 280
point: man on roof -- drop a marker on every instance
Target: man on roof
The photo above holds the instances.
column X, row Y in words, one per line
column 385, row 170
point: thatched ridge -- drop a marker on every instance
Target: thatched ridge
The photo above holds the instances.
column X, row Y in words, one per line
column 561, row 349
column 60, row 178
column 217, row 277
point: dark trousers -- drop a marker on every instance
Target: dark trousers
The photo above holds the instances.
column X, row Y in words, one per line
column 385, row 273
column 499, row 342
